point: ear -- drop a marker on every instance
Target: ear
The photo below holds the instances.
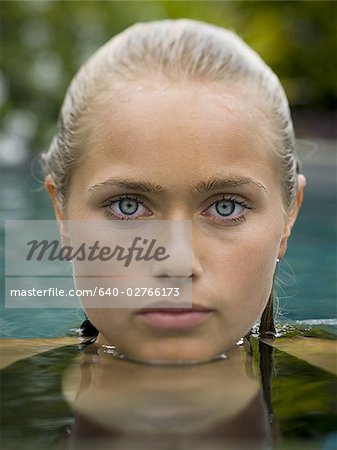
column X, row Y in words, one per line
column 59, row 214
column 301, row 182
column 51, row 189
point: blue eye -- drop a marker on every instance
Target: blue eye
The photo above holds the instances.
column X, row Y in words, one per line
column 126, row 208
column 225, row 207
column 227, row 210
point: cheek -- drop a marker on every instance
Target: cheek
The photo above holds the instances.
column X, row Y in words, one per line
column 239, row 266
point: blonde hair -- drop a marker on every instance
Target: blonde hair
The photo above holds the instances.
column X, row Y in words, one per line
column 178, row 49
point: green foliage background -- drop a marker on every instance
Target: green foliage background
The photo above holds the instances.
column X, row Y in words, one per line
column 43, row 43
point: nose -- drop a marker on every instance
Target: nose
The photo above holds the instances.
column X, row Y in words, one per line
column 182, row 262
column 178, row 264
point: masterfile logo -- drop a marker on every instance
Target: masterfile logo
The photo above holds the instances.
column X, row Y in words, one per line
column 140, row 250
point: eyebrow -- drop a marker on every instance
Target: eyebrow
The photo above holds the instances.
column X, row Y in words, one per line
column 142, row 186
column 202, row 187
column 220, row 183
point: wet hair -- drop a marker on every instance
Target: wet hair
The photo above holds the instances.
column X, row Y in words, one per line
column 179, row 50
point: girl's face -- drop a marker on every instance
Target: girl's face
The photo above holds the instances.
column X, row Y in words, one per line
column 206, row 149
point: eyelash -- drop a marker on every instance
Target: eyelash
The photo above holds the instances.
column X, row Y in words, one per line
column 238, row 201
column 107, row 204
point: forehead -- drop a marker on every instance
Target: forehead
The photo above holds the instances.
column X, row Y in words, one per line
column 161, row 126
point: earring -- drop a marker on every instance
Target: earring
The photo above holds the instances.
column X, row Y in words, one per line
column 278, row 260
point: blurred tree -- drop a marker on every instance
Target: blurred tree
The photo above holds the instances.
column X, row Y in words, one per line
column 43, row 43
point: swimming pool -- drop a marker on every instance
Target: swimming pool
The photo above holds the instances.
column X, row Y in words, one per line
column 61, row 394
column 82, row 398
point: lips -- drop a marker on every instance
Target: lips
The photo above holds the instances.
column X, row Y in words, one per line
column 179, row 317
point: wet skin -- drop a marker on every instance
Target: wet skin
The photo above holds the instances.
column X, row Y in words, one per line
column 189, row 152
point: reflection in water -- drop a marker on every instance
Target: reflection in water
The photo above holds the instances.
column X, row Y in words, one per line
column 81, row 398
column 202, row 406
